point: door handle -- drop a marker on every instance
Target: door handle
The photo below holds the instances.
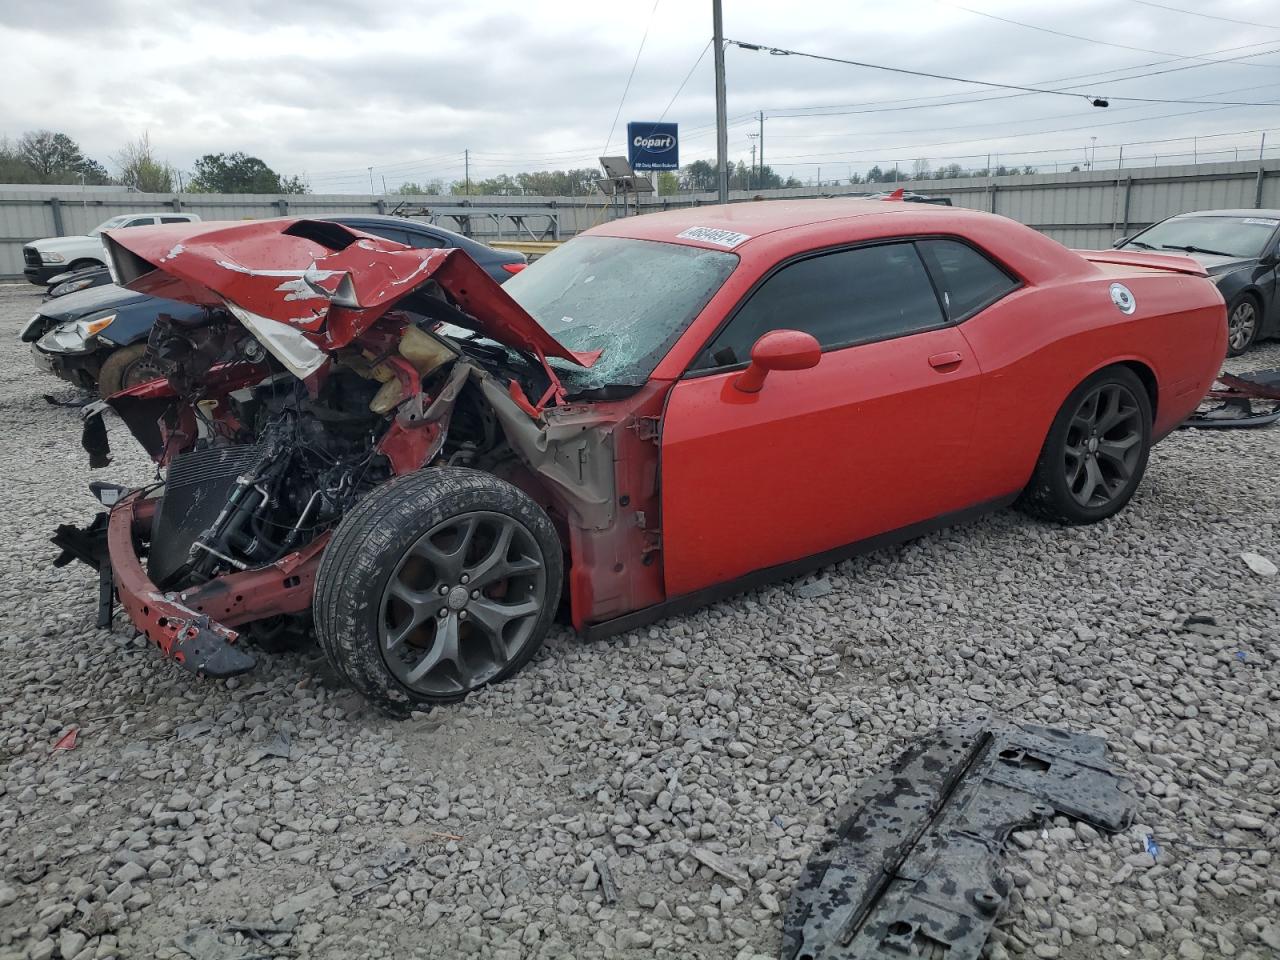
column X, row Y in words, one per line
column 944, row 361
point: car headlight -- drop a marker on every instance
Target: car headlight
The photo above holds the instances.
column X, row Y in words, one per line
column 49, row 257
column 90, row 328
column 70, row 286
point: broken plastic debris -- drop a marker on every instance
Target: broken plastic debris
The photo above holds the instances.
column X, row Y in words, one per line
column 1260, row 564
column 68, row 740
column 814, row 590
column 1153, row 848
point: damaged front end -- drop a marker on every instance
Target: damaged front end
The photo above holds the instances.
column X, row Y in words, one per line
column 316, row 374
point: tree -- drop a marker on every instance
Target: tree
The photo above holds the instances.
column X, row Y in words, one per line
column 432, row 188
column 239, row 173
column 668, row 183
column 55, row 158
column 920, row 169
column 699, row 176
column 140, row 170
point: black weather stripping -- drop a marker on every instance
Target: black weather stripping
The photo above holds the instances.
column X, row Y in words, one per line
column 912, row 868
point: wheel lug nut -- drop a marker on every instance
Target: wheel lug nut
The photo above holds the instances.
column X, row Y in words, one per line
column 475, row 594
column 443, row 613
column 444, row 589
column 462, row 614
column 465, row 578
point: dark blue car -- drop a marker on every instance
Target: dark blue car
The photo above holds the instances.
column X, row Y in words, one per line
column 96, row 338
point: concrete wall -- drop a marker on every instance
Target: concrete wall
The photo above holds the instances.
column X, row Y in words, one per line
column 1087, row 209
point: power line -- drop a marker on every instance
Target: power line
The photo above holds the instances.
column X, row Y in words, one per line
column 634, row 64
column 1067, row 149
column 1071, row 36
column 913, row 105
column 1097, row 102
column 1005, row 123
column 909, row 147
column 1207, row 16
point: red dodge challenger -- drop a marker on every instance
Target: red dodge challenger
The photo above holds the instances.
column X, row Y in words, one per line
column 382, row 445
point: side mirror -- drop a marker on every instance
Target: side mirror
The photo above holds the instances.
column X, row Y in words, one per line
column 778, row 350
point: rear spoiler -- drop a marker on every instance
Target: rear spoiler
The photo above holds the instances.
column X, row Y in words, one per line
column 1173, row 262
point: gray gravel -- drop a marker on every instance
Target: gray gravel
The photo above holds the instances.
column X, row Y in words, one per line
column 571, row 812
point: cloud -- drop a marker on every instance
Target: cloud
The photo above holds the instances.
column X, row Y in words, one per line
column 330, row 88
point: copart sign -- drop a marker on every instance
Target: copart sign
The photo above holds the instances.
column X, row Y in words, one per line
column 653, row 146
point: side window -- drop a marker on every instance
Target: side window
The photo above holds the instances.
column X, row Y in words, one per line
column 387, row 233
column 425, row 241
column 968, row 280
column 141, row 222
column 174, row 220
column 851, row 296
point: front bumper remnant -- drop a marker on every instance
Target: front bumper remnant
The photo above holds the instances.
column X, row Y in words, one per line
column 1239, row 400
column 912, row 869
column 192, row 626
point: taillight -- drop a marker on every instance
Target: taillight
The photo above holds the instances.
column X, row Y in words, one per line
column 514, row 267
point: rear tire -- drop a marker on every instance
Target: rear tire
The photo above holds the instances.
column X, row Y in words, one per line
column 1096, row 452
column 437, row 583
column 124, row 368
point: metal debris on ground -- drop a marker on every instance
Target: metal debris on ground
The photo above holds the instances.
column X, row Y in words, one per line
column 277, row 746
column 68, row 740
column 238, row 941
column 913, row 866
column 1239, row 400
column 608, row 888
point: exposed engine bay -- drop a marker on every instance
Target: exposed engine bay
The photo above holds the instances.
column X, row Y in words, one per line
column 279, row 461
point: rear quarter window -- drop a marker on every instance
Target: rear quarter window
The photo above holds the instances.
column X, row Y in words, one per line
column 968, row 279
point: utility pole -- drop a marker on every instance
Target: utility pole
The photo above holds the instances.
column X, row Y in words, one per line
column 1093, row 152
column 384, row 184
column 466, row 160
column 753, row 163
column 762, row 144
column 371, row 190
column 722, row 118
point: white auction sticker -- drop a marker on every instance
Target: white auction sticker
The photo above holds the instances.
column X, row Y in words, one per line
column 721, row 238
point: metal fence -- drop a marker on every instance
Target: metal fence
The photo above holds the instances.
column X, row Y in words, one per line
column 1081, row 209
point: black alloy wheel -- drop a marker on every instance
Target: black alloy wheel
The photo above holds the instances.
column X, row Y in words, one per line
column 1095, row 454
column 462, row 603
column 1104, row 445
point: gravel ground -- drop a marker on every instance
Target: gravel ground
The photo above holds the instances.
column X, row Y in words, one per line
column 494, row 828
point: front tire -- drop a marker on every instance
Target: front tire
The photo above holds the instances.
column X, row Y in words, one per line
column 1096, row 452
column 126, row 367
column 437, row 583
column 1244, row 320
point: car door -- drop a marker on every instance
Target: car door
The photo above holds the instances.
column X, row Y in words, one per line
column 872, row 439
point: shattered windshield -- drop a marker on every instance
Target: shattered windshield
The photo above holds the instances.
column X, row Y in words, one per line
column 1224, row 236
column 630, row 298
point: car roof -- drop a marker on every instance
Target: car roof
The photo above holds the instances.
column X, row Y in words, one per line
column 1251, row 212
column 755, row 219
column 390, row 221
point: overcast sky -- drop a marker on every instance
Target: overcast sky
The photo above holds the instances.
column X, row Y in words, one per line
column 327, row 88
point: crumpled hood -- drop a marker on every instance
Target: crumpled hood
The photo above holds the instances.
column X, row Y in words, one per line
column 82, row 303
column 327, row 280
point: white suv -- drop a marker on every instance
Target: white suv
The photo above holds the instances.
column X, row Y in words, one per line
column 43, row 259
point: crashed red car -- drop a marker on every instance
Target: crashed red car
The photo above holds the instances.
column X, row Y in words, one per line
column 667, row 409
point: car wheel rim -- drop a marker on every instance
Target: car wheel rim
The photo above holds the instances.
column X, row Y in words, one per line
column 462, row 603
column 141, row 370
column 1104, row 445
column 1243, row 323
